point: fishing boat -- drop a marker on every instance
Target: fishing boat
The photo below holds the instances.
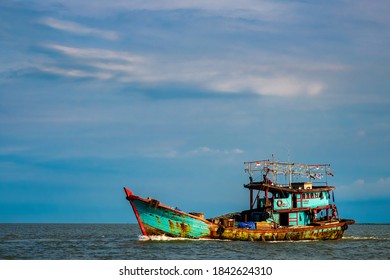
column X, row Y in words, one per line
column 287, row 201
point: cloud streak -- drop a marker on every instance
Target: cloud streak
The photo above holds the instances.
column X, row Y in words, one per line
column 266, row 10
column 201, row 151
column 274, row 85
column 95, row 63
column 79, row 29
column 261, row 76
column 75, row 73
column 93, row 53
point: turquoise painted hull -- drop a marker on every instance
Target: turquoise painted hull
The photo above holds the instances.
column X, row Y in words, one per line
column 159, row 220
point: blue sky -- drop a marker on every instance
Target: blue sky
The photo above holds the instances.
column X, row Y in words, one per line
column 169, row 98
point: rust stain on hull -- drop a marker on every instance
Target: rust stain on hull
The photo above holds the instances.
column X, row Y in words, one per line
column 306, row 233
column 180, row 229
column 280, row 236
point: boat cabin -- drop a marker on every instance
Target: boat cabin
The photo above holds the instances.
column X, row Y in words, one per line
column 284, row 194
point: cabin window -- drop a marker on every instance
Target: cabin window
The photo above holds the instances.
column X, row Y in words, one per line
column 282, row 195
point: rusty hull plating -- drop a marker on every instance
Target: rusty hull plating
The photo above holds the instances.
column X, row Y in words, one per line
column 155, row 218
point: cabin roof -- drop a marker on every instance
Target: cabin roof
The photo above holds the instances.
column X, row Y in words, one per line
column 273, row 188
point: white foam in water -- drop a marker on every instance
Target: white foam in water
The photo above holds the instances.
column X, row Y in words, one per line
column 363, row 238
column 143, row 238
column 159, row 238
column 168, row 238
column 162, row 238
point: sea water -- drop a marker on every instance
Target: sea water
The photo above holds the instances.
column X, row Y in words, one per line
column 123, row 242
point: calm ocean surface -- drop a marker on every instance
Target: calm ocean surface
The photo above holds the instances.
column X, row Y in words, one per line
column 122, row 242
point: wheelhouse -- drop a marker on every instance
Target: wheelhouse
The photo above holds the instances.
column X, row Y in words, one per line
column 289, row 194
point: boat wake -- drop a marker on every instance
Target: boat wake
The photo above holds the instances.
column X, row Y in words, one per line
column 160, row 238
column 291, row 241
column 366, row 238
column 168, row 238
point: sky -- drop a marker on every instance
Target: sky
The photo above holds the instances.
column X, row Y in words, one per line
column 170, row 98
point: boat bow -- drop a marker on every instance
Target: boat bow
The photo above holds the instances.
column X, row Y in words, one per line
column 155, row 218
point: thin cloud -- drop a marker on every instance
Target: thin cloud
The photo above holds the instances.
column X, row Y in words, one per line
column 74, row 73
column 260, row 76
column 201, row 151
column 79, row 29
column 93, row 53
column 95, row 63
column 276, row 86
column 266, row 10
column 210, row 151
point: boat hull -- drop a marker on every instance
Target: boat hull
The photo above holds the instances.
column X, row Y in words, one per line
column 155, row 218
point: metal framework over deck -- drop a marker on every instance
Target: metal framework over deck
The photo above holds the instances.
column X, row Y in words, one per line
column 285, row 173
